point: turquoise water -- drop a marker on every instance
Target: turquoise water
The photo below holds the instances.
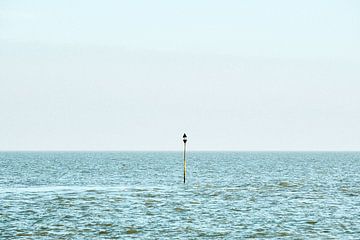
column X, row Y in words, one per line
column 107, row 195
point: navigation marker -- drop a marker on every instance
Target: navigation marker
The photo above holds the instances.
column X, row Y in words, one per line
column 184, row 140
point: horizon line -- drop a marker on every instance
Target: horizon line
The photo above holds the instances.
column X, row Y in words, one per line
column 216, row 150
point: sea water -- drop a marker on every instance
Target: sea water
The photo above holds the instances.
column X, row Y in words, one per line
column 109, row 195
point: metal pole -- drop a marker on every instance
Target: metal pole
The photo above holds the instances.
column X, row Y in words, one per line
column 184, row 161
column 184, row 140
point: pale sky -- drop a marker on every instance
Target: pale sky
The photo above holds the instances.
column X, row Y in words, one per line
column 135, row 75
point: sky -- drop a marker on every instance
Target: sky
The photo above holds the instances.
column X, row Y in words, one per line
column 133, row 75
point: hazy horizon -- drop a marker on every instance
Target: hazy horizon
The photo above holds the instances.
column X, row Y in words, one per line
column 135, row 75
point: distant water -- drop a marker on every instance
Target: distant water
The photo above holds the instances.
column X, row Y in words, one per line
column 107, row 195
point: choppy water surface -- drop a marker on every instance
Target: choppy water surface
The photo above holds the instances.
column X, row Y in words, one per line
column 109, row 195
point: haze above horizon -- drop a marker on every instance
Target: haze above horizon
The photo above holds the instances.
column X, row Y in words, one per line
column 135, row 75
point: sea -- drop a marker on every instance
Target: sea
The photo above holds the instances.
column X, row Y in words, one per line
column 142, row 195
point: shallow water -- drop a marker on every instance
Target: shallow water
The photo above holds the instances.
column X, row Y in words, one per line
column 107, row 195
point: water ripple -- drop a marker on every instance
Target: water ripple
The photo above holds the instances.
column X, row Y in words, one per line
column 228, row 195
